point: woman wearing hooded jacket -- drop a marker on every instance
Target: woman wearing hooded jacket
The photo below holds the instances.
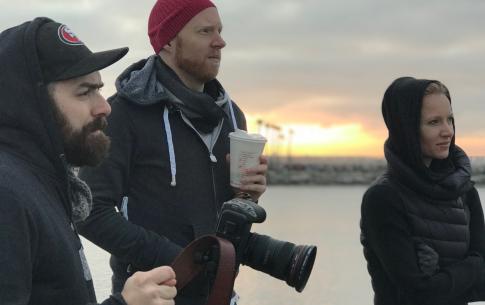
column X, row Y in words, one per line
column 422, row 224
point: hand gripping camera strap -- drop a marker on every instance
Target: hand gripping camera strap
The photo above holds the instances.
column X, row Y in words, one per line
column 186, row 267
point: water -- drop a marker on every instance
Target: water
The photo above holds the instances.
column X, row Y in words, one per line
column 327, row 217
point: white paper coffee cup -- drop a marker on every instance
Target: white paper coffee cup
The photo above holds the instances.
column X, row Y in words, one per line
column 245, row 151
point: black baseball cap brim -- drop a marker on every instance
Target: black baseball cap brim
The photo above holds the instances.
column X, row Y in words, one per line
column 62, row 55
column 93, row 62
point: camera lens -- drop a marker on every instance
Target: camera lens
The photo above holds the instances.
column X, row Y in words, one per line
column 280, row 259
column 302, row 264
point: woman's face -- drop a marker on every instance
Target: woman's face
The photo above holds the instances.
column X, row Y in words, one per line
column 436, row 130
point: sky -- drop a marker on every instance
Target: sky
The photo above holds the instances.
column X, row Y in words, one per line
column 310, row 74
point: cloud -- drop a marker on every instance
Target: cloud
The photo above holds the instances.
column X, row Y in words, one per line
column 281, row 54
column 354, row 50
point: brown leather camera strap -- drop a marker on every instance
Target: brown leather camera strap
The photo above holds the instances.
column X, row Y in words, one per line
column 186, row 267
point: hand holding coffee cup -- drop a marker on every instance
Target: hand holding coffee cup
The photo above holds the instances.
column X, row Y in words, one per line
column 246, row 150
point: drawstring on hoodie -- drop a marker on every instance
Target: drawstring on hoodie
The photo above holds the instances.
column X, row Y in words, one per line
column 233, row 117
column 171, row 151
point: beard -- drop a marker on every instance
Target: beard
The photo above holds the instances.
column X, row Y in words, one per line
column 195, row 67
column 83, row 147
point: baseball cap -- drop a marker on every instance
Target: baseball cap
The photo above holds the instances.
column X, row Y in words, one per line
column 62, row 55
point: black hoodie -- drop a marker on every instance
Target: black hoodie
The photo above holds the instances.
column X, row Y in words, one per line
column 412, row 204
column 41, row 259
column 167, row 200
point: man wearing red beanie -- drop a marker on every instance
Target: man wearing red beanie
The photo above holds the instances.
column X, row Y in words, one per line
column 167, row 172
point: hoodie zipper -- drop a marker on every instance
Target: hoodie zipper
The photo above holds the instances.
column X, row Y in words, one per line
column 212, row 165
column 212, row 157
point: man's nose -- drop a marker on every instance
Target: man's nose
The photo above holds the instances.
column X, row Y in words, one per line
column 219, row 41
column 102, row 107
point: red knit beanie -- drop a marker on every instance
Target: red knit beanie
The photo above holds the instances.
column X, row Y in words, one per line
column 168, row 17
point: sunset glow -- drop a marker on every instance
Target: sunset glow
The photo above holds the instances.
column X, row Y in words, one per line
column 339, row 140
column 473, row 146
column 314, row 140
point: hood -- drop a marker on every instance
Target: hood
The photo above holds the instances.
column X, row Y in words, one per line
column 401, row 109
column 139, row 84
column 27, row 115
column 145, row 83
column 151, row 81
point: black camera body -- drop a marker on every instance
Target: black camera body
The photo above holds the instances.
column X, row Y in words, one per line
column 283, row 260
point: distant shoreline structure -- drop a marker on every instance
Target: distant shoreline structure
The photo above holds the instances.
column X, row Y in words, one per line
column 340, row 170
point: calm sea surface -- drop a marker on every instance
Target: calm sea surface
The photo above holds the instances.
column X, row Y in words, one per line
column 327, row 217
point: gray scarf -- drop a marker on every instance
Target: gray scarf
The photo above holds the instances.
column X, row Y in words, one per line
column 80, row 197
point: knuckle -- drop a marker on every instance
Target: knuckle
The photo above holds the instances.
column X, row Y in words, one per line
column 137, row 278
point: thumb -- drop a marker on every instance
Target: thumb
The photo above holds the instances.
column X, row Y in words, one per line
column 160, row 274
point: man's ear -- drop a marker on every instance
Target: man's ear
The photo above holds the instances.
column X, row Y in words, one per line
column 169, row 46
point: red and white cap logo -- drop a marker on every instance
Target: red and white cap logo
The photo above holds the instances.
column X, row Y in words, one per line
column 67, row 36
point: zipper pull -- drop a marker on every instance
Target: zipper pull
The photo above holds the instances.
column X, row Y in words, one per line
column 213, row 158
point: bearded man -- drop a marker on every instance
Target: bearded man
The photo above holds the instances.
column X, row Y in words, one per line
column 52, row 119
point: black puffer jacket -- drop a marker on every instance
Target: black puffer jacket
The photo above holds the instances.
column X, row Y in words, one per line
column 395, row 216
column 412, row 204
column 437, row 213
column 41, row 257
column 158, row 218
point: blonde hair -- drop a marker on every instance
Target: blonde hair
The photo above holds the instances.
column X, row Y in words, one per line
column 436, row 87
